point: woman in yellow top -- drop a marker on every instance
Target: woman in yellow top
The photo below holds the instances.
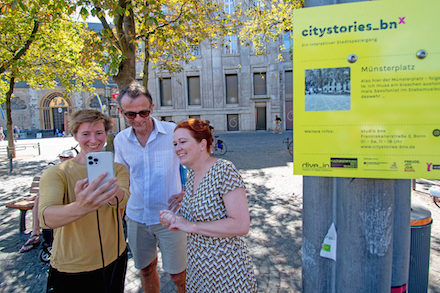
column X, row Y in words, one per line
column 89, row 252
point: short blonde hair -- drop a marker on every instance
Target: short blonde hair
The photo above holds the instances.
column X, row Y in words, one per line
column 89, row 115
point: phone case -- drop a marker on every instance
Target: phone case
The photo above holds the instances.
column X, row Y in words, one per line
column 98, row 163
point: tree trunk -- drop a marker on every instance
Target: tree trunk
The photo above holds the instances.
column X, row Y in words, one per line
column 11, row 145
column 126, row 36
column 127, row 71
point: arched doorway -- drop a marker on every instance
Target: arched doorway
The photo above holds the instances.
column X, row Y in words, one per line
column 54, row 110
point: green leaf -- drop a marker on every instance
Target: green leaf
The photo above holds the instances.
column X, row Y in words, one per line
column 22, row 6
column 84, row 12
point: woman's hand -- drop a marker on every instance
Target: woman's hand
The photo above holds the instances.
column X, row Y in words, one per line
column 166, row 218
column 90, row 197
column 173, row 221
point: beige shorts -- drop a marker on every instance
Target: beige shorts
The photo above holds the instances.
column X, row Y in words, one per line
column 143, row 241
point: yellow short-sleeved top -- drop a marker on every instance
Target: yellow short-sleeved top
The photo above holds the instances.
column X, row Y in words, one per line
column 76, row 245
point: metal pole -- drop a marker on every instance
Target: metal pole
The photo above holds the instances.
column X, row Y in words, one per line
column 317, row 218
column 365, row 235
column 402, row 233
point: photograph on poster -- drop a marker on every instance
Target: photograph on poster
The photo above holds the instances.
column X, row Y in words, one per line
column 327, row 89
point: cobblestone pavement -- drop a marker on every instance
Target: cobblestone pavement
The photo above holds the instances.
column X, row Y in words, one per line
column 275, row 202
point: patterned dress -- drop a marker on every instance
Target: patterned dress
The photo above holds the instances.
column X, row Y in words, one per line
column 215, row 264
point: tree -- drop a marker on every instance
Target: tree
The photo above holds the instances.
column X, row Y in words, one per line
column 262, row 22
column 42, row 46
column 162, row 32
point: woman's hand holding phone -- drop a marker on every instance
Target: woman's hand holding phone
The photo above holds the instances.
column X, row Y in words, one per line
column 91, row 197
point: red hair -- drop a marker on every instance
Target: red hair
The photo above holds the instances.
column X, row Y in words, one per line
column 199, row 130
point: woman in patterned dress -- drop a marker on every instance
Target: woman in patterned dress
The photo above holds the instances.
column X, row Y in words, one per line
column 214, row 213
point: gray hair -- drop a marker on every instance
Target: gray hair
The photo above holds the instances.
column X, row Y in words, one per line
column 134, row 90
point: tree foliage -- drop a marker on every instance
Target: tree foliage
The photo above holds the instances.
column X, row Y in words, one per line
column 41, row 45
column 162, row 32
column 262, row 22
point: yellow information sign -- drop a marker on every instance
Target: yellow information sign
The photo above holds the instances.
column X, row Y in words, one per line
column 367, row 90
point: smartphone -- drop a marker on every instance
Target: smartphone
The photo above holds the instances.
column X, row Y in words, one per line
column 98, row 163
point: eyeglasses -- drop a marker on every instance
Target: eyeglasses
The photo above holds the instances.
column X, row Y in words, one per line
column 132, row 115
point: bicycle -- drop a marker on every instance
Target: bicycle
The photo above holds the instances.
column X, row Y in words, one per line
column 435, row 193
column 218, row 146
column 289, row 143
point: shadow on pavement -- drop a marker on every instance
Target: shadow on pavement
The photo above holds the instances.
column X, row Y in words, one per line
column 275, row 239
column 19, row 272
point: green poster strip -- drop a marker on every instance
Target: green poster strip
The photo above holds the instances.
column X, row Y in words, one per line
column 367, row 90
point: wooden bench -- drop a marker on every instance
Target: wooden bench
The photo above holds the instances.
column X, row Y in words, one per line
column 25, row 204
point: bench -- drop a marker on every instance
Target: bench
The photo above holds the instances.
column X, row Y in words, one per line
column 25, row 204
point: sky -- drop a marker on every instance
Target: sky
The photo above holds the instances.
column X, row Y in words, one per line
column 92, row 19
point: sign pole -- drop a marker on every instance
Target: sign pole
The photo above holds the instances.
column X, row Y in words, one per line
column 364, row 212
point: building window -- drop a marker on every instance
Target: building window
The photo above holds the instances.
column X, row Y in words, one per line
column 193, row 83
column 231, row 89
column 287, row 41
column 288, row 85
column 196, row 51
column 231, row 45
column 229, row 6
column 259, row 83
column 166, row 98
column 166, row 118
column 233, row 124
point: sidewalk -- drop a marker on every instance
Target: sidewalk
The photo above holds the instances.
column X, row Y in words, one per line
column 275, row 203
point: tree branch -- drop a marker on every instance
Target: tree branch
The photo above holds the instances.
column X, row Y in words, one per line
column 108, row 29
column 153, row 31
column 24, row 49
column 124, row 28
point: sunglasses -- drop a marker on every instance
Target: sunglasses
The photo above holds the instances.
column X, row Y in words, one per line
column 132, row 115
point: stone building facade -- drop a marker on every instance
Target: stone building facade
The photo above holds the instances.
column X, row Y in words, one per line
column 233, row 88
